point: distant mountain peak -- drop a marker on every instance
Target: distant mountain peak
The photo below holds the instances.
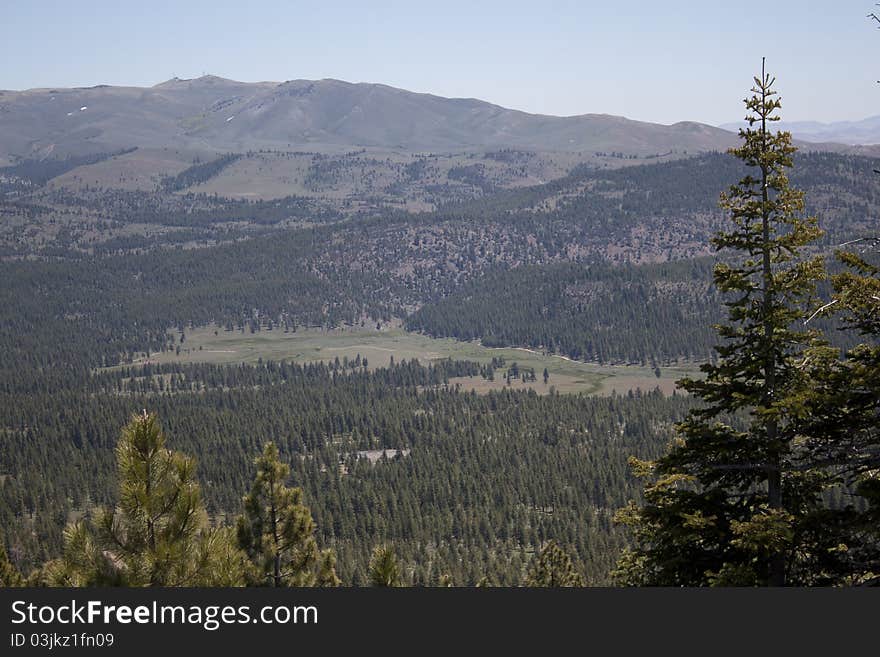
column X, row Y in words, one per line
column 207, row 79
column 863, row 132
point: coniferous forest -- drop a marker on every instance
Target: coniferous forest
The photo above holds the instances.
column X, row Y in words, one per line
column 123, row 464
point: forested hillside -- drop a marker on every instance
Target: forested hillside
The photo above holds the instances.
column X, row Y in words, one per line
column 578, row 311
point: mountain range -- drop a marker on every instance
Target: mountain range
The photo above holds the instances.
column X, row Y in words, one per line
column 864, row 132
column 215, row 114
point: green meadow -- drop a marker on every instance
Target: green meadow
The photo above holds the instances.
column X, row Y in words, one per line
column 215, row 345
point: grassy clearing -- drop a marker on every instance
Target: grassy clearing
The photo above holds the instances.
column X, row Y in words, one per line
column 215, row 345
column 140, row 170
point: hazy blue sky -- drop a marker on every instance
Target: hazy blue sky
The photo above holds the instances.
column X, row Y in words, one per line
column 656, row 61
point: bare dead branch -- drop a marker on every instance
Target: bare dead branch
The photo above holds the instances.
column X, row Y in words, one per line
column 827, row 305
column 860, row 239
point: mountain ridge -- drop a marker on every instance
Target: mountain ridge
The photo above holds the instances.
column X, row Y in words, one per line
column 863, row 132
column 211, row 113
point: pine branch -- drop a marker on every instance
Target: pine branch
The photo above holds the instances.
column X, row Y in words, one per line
column 746, row 467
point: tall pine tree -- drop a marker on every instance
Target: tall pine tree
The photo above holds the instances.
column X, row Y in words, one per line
column 552, row 567
column 158, row 534
column 731, row 502
column 277, row 530
column 9, row 575
column 841, row 423
column 384, row 570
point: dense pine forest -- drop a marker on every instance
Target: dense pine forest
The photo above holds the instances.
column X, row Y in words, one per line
column 397, row 474
column 472, row 487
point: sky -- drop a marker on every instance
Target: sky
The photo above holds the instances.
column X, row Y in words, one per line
column 653, row 61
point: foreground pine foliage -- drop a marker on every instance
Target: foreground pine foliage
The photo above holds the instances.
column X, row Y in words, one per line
column 748, row 505
column 159, row 535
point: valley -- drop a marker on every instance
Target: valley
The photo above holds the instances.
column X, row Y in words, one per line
column 351, row 269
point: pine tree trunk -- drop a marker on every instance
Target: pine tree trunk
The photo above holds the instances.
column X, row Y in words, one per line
column 275, row 538
column 774, row 498
column 774, row 474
